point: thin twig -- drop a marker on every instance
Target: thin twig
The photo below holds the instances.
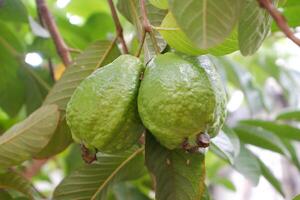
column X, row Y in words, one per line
column 279, row 19
column 147, row 26
column 60, row 45
column 119, row 28
column 139, row 51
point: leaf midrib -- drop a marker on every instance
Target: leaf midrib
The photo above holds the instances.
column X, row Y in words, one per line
column 116, row 171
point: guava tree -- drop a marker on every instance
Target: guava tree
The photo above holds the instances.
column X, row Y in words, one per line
column 127, row 98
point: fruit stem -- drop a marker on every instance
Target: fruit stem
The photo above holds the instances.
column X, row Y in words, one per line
column 119, row 28
column 148, row 28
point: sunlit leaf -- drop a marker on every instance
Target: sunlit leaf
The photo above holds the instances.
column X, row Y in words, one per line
column 206, row 22
column 254, row 26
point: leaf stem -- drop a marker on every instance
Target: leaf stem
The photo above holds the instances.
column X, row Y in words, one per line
column 147, row 26
column 60, row 45
column 279, row 19
column 119, row 28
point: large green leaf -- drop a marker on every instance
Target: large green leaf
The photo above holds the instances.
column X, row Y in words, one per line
column 60, row 140
column 289, row 115
column 93, row 181
column 206, row 22
column 97, row 55
column 12, row 180
column 247, row 164
column 13, row 10
column 178, row 175
column 261, row 138
column 270, row 177
column 25, row 139
column 282, row 130
column 254, row 26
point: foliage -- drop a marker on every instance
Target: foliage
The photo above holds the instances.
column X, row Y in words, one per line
column 33, row 98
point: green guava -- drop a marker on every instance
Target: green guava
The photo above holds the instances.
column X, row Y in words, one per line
column 102, row 112
column 181, row 98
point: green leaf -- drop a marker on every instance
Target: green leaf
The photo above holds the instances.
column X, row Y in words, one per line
column 254, row 26
column 36, row 88
column 292, row 152
column 247, row 164
column 178, row 175
column 13, row 180
column 5, row 195
column 224, row 182
column 60, row 141
column 93, row 181
column 27, row 138
column 289, row 115
column 261, row 138
column 296, row 197
column 225, row 146
column 179, row 41
column 270, row 177
column 97, row 55
column 126, row 191
column 282, row 130
column 13, row 10
column 11, row 86
column 206, row 22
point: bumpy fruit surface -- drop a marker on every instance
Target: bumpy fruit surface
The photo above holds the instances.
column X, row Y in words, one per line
column 102, row 112
column 181, row 98
column 177, row 39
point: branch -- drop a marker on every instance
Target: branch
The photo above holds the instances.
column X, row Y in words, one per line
column 60, row 45
column 34, row 168
column 119, row 28
column 279, row 19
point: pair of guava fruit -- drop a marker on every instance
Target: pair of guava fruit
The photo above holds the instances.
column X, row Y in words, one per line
column 178, row 99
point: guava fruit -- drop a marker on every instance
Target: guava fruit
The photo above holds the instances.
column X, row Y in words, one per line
column 162, row 4
column 180, row 99
column 177, row 39
column 102, row 112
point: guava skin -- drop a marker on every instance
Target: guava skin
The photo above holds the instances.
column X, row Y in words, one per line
column 180, row 99
column 102, row 112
